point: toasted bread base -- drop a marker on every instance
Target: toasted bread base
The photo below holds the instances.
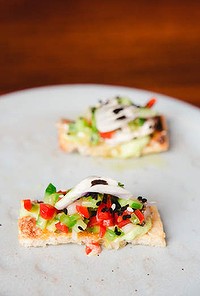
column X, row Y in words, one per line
column 32, row 236
column 159, row 142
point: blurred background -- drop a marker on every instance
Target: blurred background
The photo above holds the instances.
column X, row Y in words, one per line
column 153, row 45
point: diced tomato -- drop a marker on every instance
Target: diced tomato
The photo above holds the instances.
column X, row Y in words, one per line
column 123, row 223
column 102, row 230
column 47, row 211
column 150, row 103
column 83, row 211
column 108, row 203
column 93, row 222
column 108, row 222
column 88, row 250
column 107, row 135
column 105, row 215
column 62, row 227
column 62, row 192
column 140, row 215
column 119, row 219
column 27, row 204
column 93, row 247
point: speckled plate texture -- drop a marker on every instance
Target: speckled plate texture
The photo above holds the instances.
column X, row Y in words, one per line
column 30, row 159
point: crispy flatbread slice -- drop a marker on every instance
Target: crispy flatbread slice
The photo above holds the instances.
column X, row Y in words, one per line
column 32, row 236
column 159, row 142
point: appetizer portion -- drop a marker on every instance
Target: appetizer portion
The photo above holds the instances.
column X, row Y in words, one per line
column 115, row 128
column 98, row 212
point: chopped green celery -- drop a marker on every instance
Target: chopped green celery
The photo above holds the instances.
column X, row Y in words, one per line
column 134, row 219
column 35, row 209
column 34, row 212
column 57, row 217
column 50, row 189
column 51, row 225
column 123, row 202
column 79, row 125
column 146, row 112
column 72, row 128
column 133, row 203
column 69, row 221
column 95, row 138
column 79, row 226
column 136, row 204
column 89, row 132
column 110, row 235
column 41, row 222
column 137, row 123
column 90, row 202
column 138, row 230
column 86, row 221
column 51, row 199
column 87, row 137
column 131, row 149
column 94, row 229
column 93, row 119
column 95, row 134
column 124, row 101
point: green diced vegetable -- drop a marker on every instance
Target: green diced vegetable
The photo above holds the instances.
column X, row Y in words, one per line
column 93, row 119
column 94, row 229
column 124, row 101
column 123, row 202
column 135, row 204
column 69, row 221
column 72, row 128
column 139, row 121
column 51, row 225
column 79, row 226
column 110, row 235
column 138, row 230
column 41, row 223
column 79, row 125
column 132, row 148
column 90, row 202
column 95, row 138
column 50, row 189
column 95, row 134
column 146, row 112
column 51, row 197
column 134, row 219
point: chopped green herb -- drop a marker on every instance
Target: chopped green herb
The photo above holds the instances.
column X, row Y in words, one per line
column 120, row 184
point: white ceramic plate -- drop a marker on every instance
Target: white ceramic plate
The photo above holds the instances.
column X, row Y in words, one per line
column 30, row 159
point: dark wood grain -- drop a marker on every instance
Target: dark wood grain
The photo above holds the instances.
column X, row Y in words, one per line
column 154, row 45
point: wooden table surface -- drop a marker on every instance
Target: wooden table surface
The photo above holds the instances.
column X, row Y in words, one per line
column 153, row 45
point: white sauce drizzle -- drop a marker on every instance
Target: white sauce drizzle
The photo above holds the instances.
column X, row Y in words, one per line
column 85, row 186
column 126, row 134
column 108, row 119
